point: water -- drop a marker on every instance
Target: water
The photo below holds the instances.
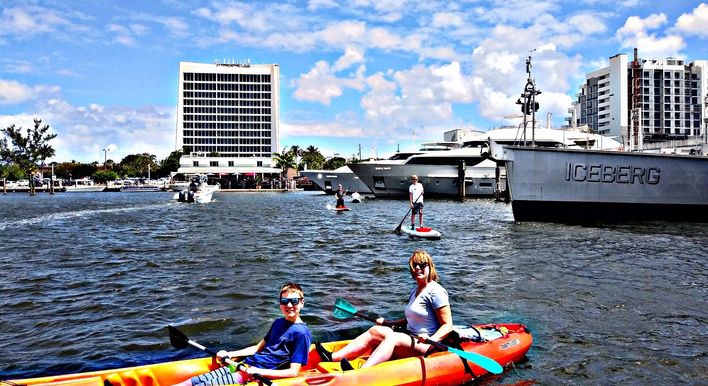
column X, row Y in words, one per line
column 90, row 280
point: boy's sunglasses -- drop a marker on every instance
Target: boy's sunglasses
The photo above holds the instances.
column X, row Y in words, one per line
column 421, row 266
column 292, row 301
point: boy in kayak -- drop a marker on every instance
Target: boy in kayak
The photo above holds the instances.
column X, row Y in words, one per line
column 415, row 194
column 281, row 354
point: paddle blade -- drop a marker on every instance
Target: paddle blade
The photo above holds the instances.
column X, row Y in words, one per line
column 177, row 338
column 480, row 360
column 343, row 309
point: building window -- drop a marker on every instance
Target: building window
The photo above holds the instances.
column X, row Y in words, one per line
column 213, row 163
column 231, row 163
column 195, row 163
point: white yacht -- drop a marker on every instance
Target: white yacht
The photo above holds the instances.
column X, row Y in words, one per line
column 442, row 171
column 83, row 185
column 328, row 180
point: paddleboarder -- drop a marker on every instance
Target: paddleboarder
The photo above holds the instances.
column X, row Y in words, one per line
column 339, row 195
column 281, row 354
column 428, row 316
column 415, row 195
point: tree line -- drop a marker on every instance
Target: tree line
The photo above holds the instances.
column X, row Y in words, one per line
column 24, row 154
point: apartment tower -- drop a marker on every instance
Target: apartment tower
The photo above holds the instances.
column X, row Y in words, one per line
column 228, row 117
column 650, row 99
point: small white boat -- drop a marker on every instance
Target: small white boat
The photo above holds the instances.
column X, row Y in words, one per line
column 83, row 185
column 198, row 191
column 141, row 188
column 422, row 232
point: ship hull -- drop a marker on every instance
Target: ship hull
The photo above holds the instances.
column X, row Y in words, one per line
column 561, row 185
column 327, row 180
column 393, row 180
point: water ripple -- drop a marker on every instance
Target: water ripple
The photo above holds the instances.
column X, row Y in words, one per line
column 90, row 281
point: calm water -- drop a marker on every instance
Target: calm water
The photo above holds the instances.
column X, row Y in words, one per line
column 90, row 280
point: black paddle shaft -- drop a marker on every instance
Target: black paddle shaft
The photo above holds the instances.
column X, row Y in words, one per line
column 179, row 340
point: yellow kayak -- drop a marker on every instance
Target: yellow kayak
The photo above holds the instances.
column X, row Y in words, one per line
column 505, row 343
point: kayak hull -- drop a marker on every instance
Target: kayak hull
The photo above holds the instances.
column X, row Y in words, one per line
column 425, row 233
column 441, row 368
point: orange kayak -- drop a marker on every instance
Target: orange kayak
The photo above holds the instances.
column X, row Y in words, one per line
column 505, row 343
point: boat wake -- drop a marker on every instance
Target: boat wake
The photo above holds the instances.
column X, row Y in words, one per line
column 63, row 216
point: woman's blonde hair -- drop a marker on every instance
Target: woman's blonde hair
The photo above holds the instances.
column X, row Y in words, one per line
column 421, row 256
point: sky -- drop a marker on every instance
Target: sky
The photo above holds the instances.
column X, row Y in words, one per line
column 380, row 75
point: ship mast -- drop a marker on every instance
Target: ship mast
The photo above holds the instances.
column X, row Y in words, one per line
column 528, row 103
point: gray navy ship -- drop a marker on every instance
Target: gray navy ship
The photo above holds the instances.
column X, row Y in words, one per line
column 565, row 185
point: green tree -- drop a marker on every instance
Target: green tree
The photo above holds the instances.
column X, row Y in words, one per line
column 27, row 152
column 103, row 176
column 312, row 158
column 12, row 172
column 334, row 163
column 285, row 161
column 170, row 164
column 136, row 165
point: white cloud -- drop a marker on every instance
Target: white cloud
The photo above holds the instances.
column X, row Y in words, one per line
column 694, row 23
column 315, row 5
column 634, row 34
column 321, row 83
column 176, row 26
column 352, row 55
column 27, row 21
column 587, row 23
column 83, row 131
column 14, row 92
column 447, row 19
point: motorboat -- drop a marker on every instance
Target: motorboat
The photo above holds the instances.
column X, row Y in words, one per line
column 83, row 185
column 198, row 191
column 328, row 180
column 442, row 172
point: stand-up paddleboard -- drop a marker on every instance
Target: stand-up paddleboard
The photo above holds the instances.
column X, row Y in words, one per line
column 424, row 232
column 338, row 209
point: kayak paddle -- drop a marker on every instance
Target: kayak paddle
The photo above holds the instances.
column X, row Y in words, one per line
column 179, row 340
column 344, row 310
column 398, row 228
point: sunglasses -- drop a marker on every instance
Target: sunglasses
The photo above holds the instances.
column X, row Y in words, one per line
column 291, row 301
column 420, row 266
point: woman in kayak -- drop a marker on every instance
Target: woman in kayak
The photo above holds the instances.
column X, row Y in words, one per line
column 281, row 354
column 428, row 316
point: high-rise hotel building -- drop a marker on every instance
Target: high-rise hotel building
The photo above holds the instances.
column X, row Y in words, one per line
column 228, row 117
column 664, row 99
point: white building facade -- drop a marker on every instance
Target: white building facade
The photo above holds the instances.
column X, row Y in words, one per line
column 228, row 118
column 649, row 99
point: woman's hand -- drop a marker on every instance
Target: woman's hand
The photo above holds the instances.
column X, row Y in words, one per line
column 380, row 321
column 422, row 338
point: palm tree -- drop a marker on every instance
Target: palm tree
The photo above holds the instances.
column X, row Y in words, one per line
column 312, row 158
column 285, row 161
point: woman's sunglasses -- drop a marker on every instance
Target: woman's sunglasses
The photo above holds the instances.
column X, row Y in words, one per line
column 292, row 301
column 420, row 266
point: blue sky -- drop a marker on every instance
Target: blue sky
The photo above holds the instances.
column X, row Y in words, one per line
column 382, row 74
